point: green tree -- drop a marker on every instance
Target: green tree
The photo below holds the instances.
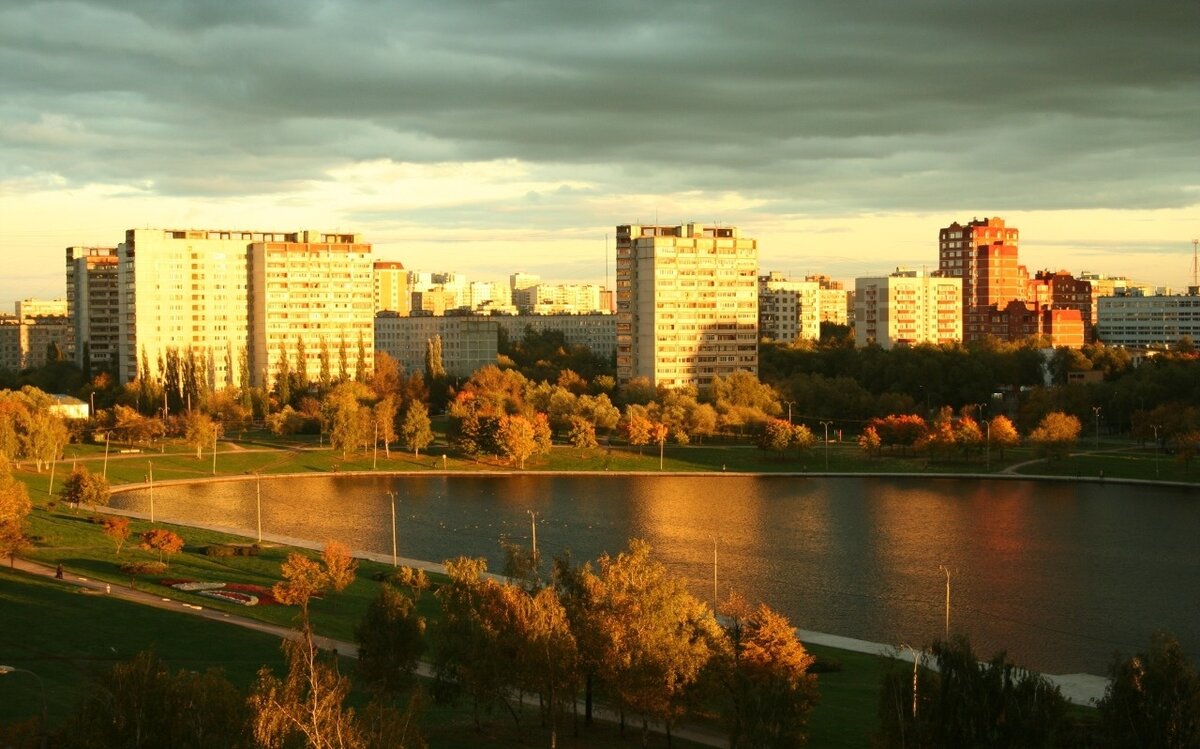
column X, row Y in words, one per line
column 301, row 365
column 383, row 416
column 416, row 432
column 200, row 431
column 140, row 703
column 516, row 439
column 391, row 635
column 14, row 509
column 283, row 376
column 85, row 488
column 776, row 436
column 1153, row 699
column 347, row 421
column 434, row 369
column 325, row 361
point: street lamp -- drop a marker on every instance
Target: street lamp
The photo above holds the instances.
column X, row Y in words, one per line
column 987, row 444
column 826, row 425
column 393, row 496
column 946, row 571
column 1096, row 410
column 789, row 405
column 5, row 670
column 1155, row 427
column 533, row 532
column 258, row 502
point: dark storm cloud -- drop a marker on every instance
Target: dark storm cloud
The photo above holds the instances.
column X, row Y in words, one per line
column 811, row 106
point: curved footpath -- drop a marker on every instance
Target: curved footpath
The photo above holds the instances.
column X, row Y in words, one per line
column 1079, row 689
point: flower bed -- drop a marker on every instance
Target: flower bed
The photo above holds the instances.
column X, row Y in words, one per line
column 244, row 594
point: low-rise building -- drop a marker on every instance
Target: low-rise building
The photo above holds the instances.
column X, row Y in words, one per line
column 1156, row 321
column 33, row 341
column 469, row 342
column 908, row 307
column 597, row 331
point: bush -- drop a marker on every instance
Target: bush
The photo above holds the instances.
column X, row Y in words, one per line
column 219, row 550
column 248, row 551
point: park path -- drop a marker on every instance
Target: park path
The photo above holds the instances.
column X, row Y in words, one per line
column 694, row 734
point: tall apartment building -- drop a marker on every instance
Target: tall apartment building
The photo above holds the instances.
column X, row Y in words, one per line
column 521, row 287
column 392, row 290
column 1062, row 291
column 687, row 303
column 560, row 298
column 225, row 295
column 788, row 310
column 94, row 305
column 312, row 291
column 983, row 253
column 907, row 308
column 834, row 300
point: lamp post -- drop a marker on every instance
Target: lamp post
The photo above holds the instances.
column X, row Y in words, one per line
column 715, row 599
column 826, row 425
column 946, row 571
column 917, row 657
column 258, row 503
column 1096, row 410
column 214, row 468
column 393, row 496
column 987, row 444
column 150, row 473
column 5, row 670
column 106, row 456
column 789, row 405
column 533, row 533
column 1155, row 427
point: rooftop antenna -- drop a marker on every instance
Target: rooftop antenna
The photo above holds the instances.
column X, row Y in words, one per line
column 1195, row 262
column 605, row 260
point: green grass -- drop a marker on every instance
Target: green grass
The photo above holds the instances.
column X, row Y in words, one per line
column 1126, row 463
column 845, row 716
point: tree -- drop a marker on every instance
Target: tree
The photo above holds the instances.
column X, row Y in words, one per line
column 516, row 439
column 340, row 566
column 776, row 436
column 869, row 441
column 434, row 369
column 117, row 530
column 763, row 668
column 283, row 376
column 582, row 434
column 303, row 578
column 967, row 703
column 383, row 416
column 163, row 541
column 347, row 421
column 136, row 569
column 1055, row 435
column 1002, row 433
column 1153, row 698
column 140, row 703
column 325, row 362
column 201, row 431
column 307, row 706
column 638, row 427
column 416, row 432
column 391, row 635
column 85, row 488
column 14, row 509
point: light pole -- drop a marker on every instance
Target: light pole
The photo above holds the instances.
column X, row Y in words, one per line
column 5, row 670
column 789, row 405
column 917, row 656
column 1096, row 410
column 533, row 533
column 826, row 425
column 258, row 503
column 150, row 469
column 1155, row 427
column 214, row 469
column 393, row 496
column 946, row 571
column 106, row 456
column 987, row 444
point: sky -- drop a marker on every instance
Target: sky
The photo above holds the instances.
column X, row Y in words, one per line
column 491, row 137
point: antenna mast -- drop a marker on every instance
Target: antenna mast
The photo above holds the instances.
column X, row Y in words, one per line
column 1195, row 262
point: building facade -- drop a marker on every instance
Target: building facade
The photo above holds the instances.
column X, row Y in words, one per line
column 1157, row 321
column 469, row 342
column 983, row 254
column 1062, row 291
column 392, row 290
column 41, row 308
column 687, row 303
column 30, row 341
column 311, row 292
column 789, row 311
column 596, row 331
column 94, row 305
column 907, row 308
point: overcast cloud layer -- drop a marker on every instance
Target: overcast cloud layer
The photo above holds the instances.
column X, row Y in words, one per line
column 768, row 110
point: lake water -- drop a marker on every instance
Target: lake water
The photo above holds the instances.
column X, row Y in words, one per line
column 1060, row 575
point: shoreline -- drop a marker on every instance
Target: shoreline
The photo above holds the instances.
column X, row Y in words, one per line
column 1078, row 689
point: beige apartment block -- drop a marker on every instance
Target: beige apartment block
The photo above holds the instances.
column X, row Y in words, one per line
column 41, row 308
column 596, row 331
column 687, row 303
column 230, row 295
column 183, row 290
column 27, row 342
column 392, row 290
column 94, row 304
column 469, row 342
column 313, row 291
column 908, row 308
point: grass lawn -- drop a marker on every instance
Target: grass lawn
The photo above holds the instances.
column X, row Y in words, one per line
column 1127, row 463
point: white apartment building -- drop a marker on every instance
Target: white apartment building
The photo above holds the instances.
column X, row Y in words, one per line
column 229, row 294
column 468, row 342
column 907, row 308
column 563, row 298
column 316, row 288
column 41, row 308
column 27, row 342
column 687, row 303
column 94, row 304
column 597, row 330
column 1156, row 321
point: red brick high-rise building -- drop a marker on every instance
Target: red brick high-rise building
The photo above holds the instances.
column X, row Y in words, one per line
column 983, row 253
column 1062, row 291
